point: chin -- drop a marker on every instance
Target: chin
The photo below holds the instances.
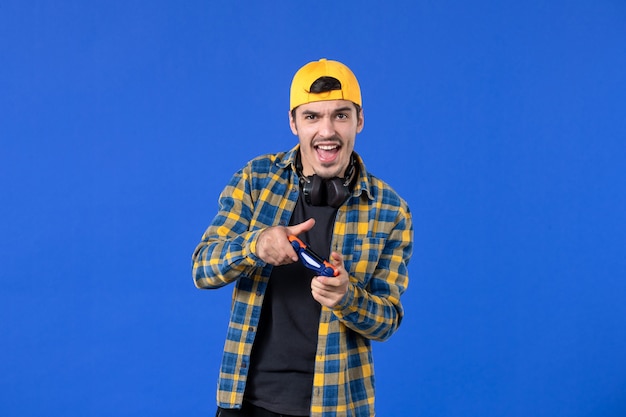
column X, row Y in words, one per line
column 329, row 173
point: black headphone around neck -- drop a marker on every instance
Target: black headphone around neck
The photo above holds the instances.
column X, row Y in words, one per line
column 331, row 192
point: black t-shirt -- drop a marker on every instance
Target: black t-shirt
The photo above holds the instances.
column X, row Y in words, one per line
column 282, row 364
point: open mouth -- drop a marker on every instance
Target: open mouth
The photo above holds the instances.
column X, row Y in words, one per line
column 328, row 152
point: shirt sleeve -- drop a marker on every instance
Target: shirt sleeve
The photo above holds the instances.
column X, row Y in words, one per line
column 226, row 251
column 374, row 309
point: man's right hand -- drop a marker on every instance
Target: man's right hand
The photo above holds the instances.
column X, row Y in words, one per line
column 273, row 245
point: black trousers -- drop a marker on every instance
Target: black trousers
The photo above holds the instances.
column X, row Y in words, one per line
column 248, row 410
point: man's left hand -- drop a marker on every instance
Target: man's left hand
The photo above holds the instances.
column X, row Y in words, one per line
column 329, row 291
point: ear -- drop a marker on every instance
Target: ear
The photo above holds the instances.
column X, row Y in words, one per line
column 359, row 123
column 292, row 124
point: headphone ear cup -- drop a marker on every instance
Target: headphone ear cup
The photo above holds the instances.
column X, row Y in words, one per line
column 336, row 192
column 314, row 191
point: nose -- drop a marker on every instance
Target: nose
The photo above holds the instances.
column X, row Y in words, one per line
column 326, row 128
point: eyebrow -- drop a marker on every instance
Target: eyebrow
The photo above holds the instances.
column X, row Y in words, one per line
column 339, row 110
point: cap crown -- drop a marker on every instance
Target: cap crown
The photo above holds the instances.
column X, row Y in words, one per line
column 308, row 74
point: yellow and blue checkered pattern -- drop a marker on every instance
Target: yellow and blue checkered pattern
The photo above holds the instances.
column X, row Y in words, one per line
column 374, row 233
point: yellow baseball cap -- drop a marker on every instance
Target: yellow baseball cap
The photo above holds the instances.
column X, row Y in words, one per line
column 308, row 74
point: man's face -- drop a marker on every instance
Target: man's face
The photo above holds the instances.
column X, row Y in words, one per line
column 326, row 131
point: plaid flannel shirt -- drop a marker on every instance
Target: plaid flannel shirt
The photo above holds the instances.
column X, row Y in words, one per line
column 373, row 231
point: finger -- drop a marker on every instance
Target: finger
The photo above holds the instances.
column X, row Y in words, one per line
column 319, row 289
column 318, row 283
column 274, row 247
column 336, row 259
column 324, row 297
column 305, row 226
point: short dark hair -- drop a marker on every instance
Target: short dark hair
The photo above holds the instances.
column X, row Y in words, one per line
column 323, row 85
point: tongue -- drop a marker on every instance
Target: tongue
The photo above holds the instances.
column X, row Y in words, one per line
column 325, row 155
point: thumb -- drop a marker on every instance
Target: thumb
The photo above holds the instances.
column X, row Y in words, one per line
column 305, row 226
column 336, row 258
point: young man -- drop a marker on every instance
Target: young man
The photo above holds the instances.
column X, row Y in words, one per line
column 298, row 344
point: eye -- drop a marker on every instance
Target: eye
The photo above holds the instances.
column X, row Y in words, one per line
column 309, row 116
column 342, row 116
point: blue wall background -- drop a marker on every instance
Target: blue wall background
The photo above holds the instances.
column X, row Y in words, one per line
column 503, row 124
